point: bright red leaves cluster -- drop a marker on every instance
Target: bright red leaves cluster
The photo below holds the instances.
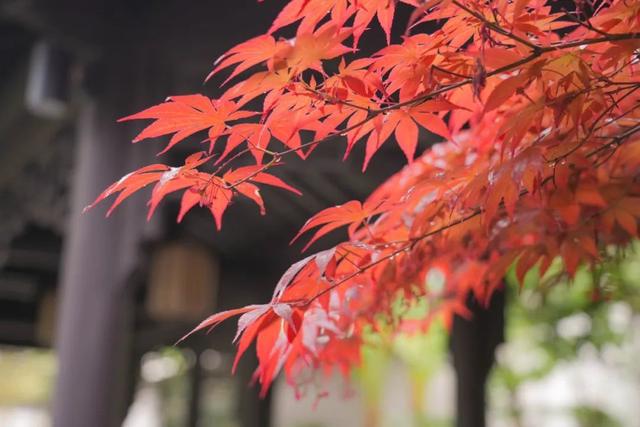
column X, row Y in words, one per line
column 541, row 116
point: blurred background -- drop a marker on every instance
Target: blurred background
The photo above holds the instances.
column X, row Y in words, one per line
column 90, row 308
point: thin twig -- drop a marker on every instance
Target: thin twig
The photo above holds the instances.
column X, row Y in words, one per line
column 495, row 27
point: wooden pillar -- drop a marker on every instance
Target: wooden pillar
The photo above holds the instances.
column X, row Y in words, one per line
column 254, row 411
column 95, row 321
column 196, row 388
column 473, row 343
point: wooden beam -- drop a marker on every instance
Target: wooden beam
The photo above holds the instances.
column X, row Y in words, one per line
column 79, row 26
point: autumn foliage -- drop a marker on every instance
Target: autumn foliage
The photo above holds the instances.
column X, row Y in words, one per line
column 536, row 103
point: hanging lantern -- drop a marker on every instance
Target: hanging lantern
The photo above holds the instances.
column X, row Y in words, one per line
column 183, row 282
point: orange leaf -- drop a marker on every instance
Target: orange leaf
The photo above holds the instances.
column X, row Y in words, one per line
column 503, row 91
column 407, row 137
column 186, row 115
column 352, row 213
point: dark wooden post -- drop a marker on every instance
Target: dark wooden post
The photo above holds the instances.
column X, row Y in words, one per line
column 196, row 388
column 254, row 411
column 95, row 322
column 473, row 343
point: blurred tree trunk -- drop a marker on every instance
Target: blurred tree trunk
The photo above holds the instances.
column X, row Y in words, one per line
column 473, row 344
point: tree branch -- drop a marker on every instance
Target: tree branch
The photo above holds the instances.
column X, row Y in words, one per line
column 436, row 93
column 495, row 27
column 617, row 141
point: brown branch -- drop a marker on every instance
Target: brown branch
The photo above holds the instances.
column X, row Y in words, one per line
column 333, row 100
column 495, row 27
column 596, row 126
column 442, row 70
column 577, row 43
column 586, row 24
column 616, row 141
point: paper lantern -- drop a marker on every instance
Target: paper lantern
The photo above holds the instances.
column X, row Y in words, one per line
column 183, row 282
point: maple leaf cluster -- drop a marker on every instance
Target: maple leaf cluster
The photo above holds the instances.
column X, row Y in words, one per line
column 539, row 114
